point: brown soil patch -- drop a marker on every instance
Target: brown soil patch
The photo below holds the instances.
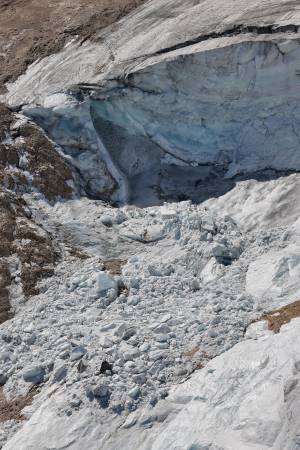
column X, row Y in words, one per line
column 37, row 254
column 13, row 410
column 49, row 169
column 33, row 29
column 77, row 253
column 281, row 316
column 190, row 354
column 6, row 119
column 114, row 266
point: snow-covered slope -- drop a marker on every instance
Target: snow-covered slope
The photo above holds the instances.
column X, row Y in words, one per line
column 248, row 398
column 149, row 333
column 155, row 27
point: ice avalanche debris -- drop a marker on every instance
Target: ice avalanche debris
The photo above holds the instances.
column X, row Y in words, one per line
column 111, row 345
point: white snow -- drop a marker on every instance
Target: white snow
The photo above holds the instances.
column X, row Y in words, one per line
column 154, row 26
column 275, row 273
column 247, row 398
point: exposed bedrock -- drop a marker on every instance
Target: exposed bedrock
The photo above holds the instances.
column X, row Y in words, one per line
column 171, row 128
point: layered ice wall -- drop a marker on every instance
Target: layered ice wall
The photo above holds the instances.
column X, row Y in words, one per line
column 180, row 120
column 236, row 108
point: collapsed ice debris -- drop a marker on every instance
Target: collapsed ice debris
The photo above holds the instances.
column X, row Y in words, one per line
column 111, row 345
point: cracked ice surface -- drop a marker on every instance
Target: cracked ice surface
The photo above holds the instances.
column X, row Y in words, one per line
column 235, row 106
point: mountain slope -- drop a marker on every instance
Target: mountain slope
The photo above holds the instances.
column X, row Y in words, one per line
column 150, row 253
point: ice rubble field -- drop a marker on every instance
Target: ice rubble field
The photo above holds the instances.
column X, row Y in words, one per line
column 194, row 281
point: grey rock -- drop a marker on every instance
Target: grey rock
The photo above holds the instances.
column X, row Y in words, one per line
column 134, row 300
column 101, row 390
column 30, row 339
column 162, row 329
column 6, row 356
column 34, row 374
column 162, row 345
column 131, row 354
column 124, row 332
column 108, row 327
column 3, row 379
column 75, row 402
column 139, row 378
column 156, row 354
column 106, row 220
column 89, row 390
column 81, row 367
column 102, row 394
column 165, row 318
column 156, row 367
column 144, row 347
column 162, row 338
column 107, row 343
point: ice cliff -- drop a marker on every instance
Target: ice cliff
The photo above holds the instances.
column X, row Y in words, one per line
column 184, row 99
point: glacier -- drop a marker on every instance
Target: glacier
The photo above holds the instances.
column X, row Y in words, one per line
column 197, row 117
column 181, row 125
column 222, row 102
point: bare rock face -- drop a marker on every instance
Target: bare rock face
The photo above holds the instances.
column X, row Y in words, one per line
column 36, row 29
column 5, row 280
column 29, row 163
